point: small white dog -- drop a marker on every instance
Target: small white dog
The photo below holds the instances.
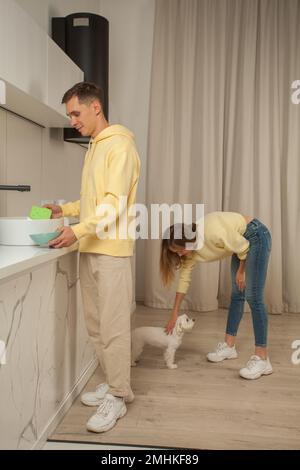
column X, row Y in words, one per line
column 156, row 336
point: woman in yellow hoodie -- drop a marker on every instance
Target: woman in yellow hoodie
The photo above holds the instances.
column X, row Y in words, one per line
column 248, row 241
column 109, row 183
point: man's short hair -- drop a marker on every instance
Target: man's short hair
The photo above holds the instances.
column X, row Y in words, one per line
column 86, row 92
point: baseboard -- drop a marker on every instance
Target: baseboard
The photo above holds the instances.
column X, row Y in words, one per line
column 66, row 404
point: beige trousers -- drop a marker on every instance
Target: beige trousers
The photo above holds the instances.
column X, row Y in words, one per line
column 106, row 287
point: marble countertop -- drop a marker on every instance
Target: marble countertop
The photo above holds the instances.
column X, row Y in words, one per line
column 15, row 259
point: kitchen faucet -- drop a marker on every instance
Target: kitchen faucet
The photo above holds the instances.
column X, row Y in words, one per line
column 8, row 187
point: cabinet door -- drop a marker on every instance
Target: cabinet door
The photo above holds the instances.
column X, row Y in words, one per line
column 23, row 164
column 62, row 75
column 23, row 58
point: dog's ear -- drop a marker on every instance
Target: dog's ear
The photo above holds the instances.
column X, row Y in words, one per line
column 178, row 326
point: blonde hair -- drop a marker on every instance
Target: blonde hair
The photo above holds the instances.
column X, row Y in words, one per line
column 175, row 236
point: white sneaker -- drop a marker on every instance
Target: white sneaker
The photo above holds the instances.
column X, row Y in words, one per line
column 256, row 367
column 223, row 351
column 110, row 410
column 95, row 398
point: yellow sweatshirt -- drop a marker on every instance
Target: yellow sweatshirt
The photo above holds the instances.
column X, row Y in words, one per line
column 223, row 236
column 111, row 170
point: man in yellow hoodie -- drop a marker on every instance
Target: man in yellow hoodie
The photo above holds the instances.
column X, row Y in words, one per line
column 109, row 177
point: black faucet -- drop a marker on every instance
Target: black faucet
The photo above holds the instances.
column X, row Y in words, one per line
column 8, row 187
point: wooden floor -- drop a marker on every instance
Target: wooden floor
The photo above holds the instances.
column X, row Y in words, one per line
column 202, row 405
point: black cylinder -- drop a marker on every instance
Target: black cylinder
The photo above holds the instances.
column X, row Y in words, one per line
column 84, row 38
column 87, row 45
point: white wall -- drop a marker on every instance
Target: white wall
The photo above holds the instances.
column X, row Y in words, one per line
column 43, row 10
column 32, row 155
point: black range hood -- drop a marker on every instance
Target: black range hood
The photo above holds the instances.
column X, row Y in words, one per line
column 71, row 135
column 84, row 38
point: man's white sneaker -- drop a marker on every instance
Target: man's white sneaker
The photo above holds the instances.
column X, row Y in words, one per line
column 110, row 410
column 256, row 367
column 95, row 398
column 223, row 351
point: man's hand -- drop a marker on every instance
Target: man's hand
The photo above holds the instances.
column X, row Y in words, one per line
column 240, row 280
column 66, row 238
column 56, row 210
column 170, row 325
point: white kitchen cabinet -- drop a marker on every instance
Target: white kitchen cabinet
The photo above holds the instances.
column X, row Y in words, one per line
column 23, row 59
column 49, row 357
column 35, row 70
column 62, row 74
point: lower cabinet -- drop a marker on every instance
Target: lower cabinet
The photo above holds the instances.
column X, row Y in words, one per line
column 48, row 355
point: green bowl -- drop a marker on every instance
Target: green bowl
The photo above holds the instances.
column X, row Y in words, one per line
column 42, row 239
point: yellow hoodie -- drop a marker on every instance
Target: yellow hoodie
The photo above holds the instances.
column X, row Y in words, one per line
column 223, row 236
column 111, row 170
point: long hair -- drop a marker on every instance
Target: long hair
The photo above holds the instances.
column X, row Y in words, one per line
column 177, row 235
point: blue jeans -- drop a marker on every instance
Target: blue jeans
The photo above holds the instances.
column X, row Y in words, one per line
column 256, row 271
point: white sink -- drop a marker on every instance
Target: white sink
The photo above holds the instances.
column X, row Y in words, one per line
column 16, row 230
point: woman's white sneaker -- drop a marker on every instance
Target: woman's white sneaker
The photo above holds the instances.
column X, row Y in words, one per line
column 110, row 410
column 222, row 352
column 256, row 367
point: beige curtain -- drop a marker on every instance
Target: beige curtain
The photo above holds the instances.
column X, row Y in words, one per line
column 224, row 132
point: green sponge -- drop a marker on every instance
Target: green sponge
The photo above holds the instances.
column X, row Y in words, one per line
column 37, row 212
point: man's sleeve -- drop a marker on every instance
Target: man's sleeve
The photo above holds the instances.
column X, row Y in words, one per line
column 71, row 209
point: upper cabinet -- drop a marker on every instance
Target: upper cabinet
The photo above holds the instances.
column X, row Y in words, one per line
column 36, row 72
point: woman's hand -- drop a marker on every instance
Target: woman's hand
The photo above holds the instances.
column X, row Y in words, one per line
column 170, row 325
column 240, row 280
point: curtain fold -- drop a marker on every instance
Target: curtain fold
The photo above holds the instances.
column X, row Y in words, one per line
column 224, row 132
